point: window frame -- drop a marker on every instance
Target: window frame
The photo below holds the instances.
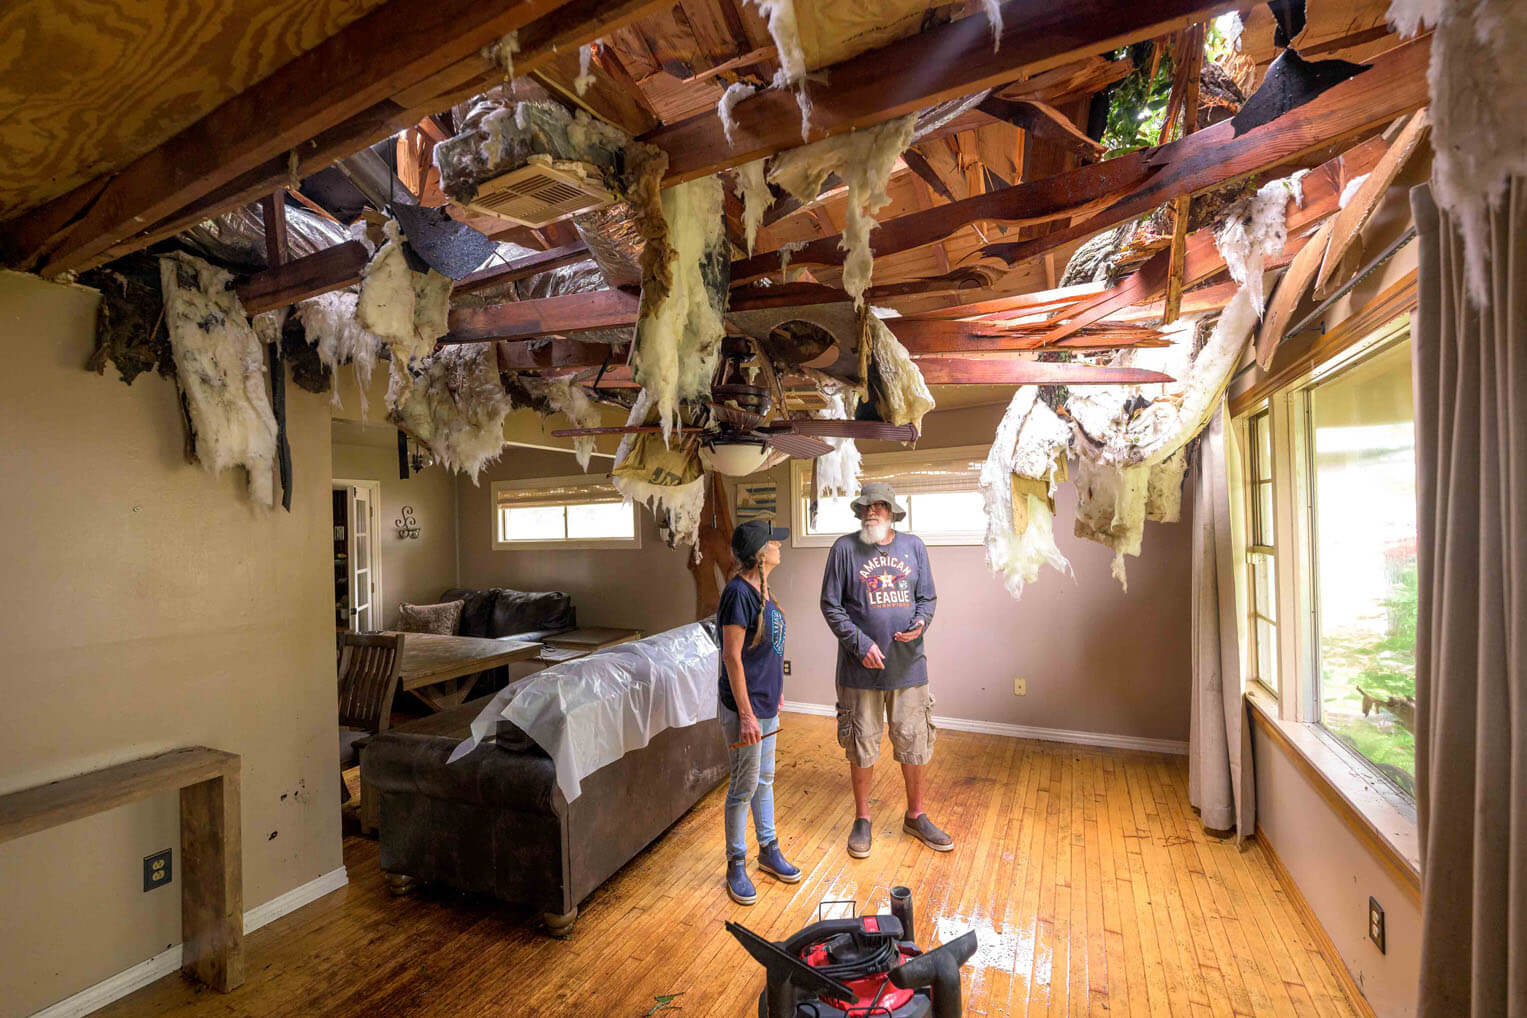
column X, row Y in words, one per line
column 1296, row 701
column 632, row 543
column 800, row 484
column 1255, row 529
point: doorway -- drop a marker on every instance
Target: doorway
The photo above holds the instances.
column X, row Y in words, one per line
column 357, row 555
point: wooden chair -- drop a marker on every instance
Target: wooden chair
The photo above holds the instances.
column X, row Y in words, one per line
column 368, row 681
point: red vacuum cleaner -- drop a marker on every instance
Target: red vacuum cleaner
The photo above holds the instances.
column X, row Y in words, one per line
column 867, row 967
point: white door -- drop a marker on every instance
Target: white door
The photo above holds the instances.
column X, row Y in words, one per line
column 362, row 568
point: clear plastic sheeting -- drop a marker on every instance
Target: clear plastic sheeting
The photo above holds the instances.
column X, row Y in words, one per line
column 592, row 711
column 236, row 239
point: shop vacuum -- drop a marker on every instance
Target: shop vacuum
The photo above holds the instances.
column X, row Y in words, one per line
column 866, row 967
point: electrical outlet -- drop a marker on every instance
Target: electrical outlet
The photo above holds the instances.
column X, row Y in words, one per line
column 787, row 666
column 1020, row 687
column 156, row 870
column 1376, row 923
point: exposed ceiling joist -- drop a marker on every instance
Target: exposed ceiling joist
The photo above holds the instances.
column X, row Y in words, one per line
column 531, row 319
column 327, row 103
column 1011, row 371
column 320, row 272
column 951, row 60
column 522, row 268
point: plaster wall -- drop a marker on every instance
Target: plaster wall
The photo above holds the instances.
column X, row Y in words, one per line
column 146, row 605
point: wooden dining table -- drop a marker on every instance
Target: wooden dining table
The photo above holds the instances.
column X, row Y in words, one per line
column 439, row 669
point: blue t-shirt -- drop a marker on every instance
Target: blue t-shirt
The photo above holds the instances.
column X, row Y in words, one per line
column 762, row 665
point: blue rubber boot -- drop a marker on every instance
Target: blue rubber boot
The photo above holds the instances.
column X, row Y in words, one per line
column 772, row 861
column 737, row 883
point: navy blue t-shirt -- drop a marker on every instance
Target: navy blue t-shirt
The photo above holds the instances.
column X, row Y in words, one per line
column 763, row 665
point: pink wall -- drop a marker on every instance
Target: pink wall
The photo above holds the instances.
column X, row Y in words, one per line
column 1096, row 659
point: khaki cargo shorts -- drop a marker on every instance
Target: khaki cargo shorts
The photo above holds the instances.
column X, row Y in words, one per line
column 862, row 716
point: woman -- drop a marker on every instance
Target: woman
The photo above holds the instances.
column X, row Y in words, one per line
column 751, row 686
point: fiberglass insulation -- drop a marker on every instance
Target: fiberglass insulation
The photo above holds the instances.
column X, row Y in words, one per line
column 1478, row 90
column 904, row 396
column 453, row 402
column 220, row 368
column 676, row 507
column 328, row 321
column 679, row 329
column 864, row 160
column 1026, row 461
column 837, row 472
column 408, row 309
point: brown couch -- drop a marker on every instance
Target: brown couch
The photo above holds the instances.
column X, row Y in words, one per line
column 495, row 822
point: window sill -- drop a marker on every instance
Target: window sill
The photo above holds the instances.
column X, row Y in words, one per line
column 1380, row 818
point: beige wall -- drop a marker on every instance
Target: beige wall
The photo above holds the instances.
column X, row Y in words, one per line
column 1336, row 874
column 414, row 570
column 1096, row 659
column 146, row 605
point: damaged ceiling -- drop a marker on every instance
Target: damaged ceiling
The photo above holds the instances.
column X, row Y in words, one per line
column 770, row 236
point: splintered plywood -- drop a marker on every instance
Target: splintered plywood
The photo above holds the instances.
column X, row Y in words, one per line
column 89, row 86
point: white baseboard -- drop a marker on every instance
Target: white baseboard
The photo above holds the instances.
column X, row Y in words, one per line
column 294, row 899
column 1023, row 731
column 168, row 961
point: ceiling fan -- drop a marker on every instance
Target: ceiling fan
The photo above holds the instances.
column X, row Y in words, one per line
column 737, row 436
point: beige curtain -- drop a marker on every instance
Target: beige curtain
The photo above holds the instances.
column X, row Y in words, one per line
column 1471, row 637
column 1219, row 740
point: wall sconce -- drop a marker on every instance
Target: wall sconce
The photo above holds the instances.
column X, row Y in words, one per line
column 408, row 526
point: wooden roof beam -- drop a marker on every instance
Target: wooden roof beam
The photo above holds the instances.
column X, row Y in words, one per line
column 952, row 60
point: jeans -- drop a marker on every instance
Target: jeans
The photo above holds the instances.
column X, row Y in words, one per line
column 752, row 782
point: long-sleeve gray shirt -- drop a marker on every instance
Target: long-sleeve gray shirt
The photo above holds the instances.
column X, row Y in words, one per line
column 870, row 592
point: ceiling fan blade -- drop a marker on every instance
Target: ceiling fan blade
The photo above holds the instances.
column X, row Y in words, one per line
column 878, row 430
column 623, row 429
column 745, row 419
column 801, row 447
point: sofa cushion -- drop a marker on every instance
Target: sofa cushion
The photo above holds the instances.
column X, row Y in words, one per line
column 476, row 610
column 519, row 611
column 442, row 619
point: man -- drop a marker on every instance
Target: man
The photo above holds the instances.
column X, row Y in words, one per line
column 878, row 599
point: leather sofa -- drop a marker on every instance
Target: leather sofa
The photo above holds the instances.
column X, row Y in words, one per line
column 498, row 612
column 495, row 822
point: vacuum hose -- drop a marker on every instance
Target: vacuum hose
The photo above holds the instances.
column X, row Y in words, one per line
column 940, row 969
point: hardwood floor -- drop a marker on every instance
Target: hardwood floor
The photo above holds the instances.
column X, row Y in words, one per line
column 1089, row 880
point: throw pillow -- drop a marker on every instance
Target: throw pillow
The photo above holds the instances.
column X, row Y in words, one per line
column 430, row 618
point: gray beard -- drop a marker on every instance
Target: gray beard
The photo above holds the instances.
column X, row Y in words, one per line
column 874, row 533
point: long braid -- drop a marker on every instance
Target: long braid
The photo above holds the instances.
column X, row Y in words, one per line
column 763, row 608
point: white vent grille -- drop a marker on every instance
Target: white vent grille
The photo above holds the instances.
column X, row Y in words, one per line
column 537, row 194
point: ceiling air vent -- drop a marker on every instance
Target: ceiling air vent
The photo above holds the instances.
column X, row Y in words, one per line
column 537, row 194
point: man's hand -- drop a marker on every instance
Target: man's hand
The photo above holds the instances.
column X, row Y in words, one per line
column 749, row 733
column 908, row 635
column 873, row 658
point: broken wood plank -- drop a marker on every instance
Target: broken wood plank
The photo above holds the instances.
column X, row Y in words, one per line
column 297, row 280
column 954, row 59
column 1351, row 220
column 1289, row 292
column 942, row 337
column 1394, row 84
column 522, row 268
column 1043, row 121
column 325, row 105
column 1190, row 66
column 528, row 319
column 1011, row 371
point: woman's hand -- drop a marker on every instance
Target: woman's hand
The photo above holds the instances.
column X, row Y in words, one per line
column 908, row 635
column 750, row 732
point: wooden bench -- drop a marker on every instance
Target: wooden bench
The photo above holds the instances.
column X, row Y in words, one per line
column 211, row 867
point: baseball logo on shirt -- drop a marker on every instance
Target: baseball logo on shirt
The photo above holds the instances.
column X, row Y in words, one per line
column 887, row 582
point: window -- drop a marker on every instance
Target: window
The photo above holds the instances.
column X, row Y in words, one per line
column 939, row 489
column 565, row 512
column 1361, row 449
column 1261, row 564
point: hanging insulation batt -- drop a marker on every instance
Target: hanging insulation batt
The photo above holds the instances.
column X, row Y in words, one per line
column 329, row 322
column 903, row 396
column 679, row 328
column 1026, row 461
column 454, row 403
column 220, row 368
column 408, row 309
column 668, row 481
column 864, row 160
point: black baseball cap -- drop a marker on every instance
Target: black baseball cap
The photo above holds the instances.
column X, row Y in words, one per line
column 751, row 536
